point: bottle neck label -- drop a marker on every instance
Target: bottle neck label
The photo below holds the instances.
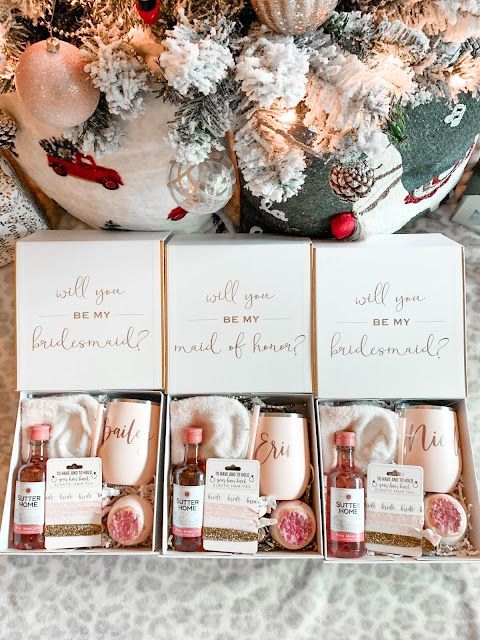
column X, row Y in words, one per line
column 29, row 510
column 347, row 515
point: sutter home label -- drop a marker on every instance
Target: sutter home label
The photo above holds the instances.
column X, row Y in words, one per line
column 29, row 510
column 187, row 510
column 347, row 515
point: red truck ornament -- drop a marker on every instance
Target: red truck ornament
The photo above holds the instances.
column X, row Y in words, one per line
column 84, row 167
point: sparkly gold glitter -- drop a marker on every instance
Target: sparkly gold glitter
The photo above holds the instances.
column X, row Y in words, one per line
column 427, row 546
column 293, row 17
column 391, row 539
column 231, row 535
column 55, row 530
column 53, row 85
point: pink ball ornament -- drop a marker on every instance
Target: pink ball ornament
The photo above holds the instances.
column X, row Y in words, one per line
column 52, row 84
column 293, row 17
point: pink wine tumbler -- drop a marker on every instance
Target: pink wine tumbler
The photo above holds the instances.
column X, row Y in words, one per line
column 130, row 441
column 281, row 447
column 432, row 442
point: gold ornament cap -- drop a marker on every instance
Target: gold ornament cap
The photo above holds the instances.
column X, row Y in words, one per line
column 53, row 44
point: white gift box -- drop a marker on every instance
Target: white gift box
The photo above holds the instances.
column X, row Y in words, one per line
column 89, row 311
column 239, row 322
column 90, row 317
column 390, row 325
column 239, row 315
column 303, row 404
column 16, row 461
column 390, row 318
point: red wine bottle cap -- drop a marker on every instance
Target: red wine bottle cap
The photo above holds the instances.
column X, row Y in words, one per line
column 345, row 438
column 39, row 432
column 192, row 435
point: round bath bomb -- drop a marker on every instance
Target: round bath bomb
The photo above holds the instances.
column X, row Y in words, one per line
column 130, row 520
column 296, row 524
column 445, row 516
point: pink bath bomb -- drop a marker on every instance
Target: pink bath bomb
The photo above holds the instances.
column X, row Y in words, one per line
column 445, row 516
column 296, row 524
column 130, row 520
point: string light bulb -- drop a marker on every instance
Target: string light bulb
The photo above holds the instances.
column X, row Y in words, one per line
column 288, row 116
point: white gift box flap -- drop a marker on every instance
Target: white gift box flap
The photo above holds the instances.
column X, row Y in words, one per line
column 239, row 314
column 390, row 318
column 89, row 310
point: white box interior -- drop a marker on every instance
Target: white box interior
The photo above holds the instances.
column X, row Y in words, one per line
column 16, row 461
column 270, row 398
column 471, row 494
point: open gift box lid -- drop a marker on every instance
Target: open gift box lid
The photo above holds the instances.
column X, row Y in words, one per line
column 90, row 310
column 390, row 318
column 239, row 314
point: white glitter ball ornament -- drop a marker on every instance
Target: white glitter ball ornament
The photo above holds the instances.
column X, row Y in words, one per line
column 293, row 17
column 52, row 84
column 202, row 188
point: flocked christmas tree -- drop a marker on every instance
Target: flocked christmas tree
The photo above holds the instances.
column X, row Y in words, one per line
column 290, row 92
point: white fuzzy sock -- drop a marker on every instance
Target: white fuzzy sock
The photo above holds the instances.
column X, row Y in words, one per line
column 71, row 419
column 376, row 431
column 225, row 423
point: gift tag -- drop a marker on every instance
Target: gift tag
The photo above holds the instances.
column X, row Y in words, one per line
column 231, row 507
column 73, row 503
column 394, row 509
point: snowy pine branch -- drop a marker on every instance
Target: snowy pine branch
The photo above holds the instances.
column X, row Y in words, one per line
column 117, row 72
column 202, row 122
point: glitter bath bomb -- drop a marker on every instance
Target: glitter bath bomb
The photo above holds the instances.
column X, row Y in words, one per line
column 52, row 84
column 130, row 520
column 296, row 524
column 445, row 516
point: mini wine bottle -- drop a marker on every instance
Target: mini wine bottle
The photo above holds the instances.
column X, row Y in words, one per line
column 188, row 495
column 345, row 502
column 29, row 510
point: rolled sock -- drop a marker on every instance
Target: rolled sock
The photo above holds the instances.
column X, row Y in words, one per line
column 72, row 420
column 376, row 430
column 225, row 423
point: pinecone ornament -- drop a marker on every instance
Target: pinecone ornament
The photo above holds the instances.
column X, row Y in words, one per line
column 8, row 131
column 351, row 182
